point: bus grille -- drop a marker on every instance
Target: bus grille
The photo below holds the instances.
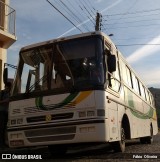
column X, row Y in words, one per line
column 50, row 134
column 52, row 117
column 16, row 111
column 31, row 110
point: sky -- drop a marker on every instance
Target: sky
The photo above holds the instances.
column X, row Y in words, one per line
column 134, row 24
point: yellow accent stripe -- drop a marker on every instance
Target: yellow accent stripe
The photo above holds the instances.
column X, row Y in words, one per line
column 154, row 115
column 82, row 96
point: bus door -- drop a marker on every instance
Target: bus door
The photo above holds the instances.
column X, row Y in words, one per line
column 113, row 84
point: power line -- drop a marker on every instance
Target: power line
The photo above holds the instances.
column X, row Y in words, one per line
column 75, row 16
column 72, row 13
column 131, row 17
column 79, row 13
column 64, row 7
column 90, row 15
column 130, row 7
column 137, row 12
column 88, row 5
column 132, row 21
column 63, row 15
column 133, row 26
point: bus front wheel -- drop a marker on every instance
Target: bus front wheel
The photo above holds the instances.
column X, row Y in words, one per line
column 119, row 146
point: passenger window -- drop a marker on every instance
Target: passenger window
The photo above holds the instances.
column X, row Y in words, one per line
column 123, row 69
column 135, row 84
column 147, row 96
column 129, row 79
column 142, row 90
column 150, row 100
column 139, row 90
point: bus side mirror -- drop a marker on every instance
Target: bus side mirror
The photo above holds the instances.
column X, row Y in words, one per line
column 5, row 75
column 112, row 63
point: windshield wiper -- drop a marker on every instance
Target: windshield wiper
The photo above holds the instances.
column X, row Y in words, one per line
column 36, row 84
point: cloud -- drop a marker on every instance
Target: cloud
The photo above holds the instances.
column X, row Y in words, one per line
column 111, row 6
column 32, row 11
column 98, row 1
column 26, row 36
column 68, row 31
column 151, row 76
column 145, row 51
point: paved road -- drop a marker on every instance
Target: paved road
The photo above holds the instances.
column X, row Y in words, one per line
column 134, row 151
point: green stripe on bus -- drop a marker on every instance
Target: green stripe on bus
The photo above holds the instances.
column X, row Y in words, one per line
column 130, row 102
column 68, row 99
column 129, row 98
column 39, row 102
column 148, row 115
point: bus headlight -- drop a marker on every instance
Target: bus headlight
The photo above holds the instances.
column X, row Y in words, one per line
column 87, row 129
column 89, row 113
column 20, row 121
column 13, row 122
column 16, row 121
column 16, row 136
column 100, row 112
column 82, row 114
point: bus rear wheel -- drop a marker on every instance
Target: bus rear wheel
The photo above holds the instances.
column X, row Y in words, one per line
column 148, row 139
column 119, row 146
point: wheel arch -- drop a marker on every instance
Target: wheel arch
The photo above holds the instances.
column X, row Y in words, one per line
column 126, row 126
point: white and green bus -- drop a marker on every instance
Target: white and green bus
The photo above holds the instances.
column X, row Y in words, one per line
column 78, row 90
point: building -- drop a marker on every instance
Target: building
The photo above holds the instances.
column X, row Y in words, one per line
column 7, row 33
column 156, row 95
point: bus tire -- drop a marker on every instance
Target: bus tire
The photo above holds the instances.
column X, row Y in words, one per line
column 119, row 146
column 57, row 150
column 148, row 139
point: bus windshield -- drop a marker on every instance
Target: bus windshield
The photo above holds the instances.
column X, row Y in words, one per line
column 72, row 64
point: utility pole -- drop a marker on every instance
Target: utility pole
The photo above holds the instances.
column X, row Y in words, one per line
column 98, row 22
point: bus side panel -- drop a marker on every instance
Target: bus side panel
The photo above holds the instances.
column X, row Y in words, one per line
column 146, row 125
column 102, row 105
column 135, row 107
column 115, row 113
column 113, row 120
column 141, row 114
column 155, row 126
column 138, row 118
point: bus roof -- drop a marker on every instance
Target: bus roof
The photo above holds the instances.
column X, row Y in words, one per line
column 65, row 38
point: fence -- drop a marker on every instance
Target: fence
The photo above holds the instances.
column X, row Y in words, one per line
column 7, row 18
